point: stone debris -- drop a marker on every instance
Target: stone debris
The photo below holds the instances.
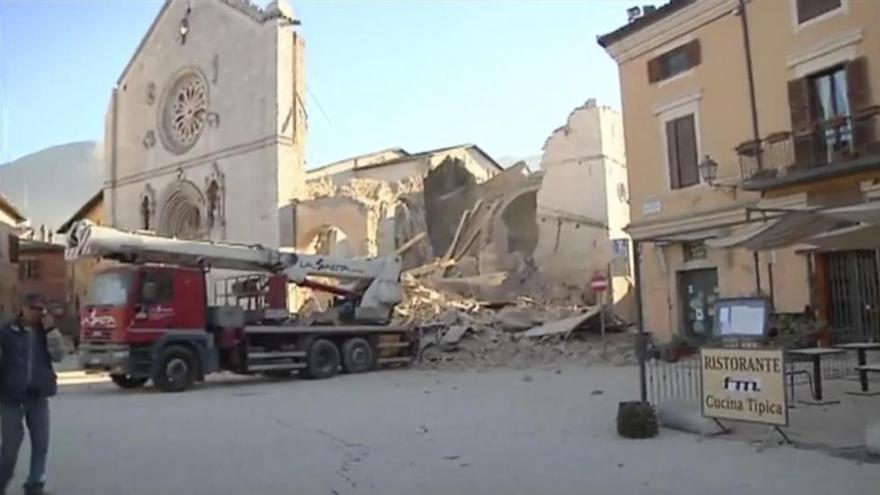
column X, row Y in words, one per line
column 462, row 331
column 561, row 327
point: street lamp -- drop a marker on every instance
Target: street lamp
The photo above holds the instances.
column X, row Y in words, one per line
column 708, row 169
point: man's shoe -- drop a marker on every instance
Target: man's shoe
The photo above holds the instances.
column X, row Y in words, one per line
column 37, row 489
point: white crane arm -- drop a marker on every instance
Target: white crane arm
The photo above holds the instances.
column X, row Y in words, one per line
column 86, row 239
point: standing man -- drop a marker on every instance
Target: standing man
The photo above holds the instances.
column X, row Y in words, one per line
column 28, row 346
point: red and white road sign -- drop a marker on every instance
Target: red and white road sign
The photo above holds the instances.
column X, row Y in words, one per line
column 599, row 283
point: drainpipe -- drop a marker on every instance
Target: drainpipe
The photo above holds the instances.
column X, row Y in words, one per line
column 641, row 338
column 747, row 47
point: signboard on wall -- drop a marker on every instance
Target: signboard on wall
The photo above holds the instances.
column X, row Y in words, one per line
column 744, row 385
column 743, row 317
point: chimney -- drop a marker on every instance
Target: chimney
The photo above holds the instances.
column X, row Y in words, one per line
column 633, row 13
column 648, row 9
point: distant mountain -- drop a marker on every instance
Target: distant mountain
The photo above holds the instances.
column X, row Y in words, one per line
column 50, row 185
column 533, row 161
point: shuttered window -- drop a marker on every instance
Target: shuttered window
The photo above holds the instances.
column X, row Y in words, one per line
column 830, row 113
column 681, row 147
column 810, row 9
column 674, row 62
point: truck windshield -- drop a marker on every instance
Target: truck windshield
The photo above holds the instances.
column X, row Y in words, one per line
column 110, row 289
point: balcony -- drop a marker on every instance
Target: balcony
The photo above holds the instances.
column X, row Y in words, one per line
column 843, row 146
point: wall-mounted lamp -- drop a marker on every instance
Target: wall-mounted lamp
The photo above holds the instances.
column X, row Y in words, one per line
column 708, row 169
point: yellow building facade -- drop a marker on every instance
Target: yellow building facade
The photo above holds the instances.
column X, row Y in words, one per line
column 735, row 110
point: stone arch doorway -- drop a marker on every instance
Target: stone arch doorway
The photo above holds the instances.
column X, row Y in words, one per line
column 519, row 217
column 181, row 214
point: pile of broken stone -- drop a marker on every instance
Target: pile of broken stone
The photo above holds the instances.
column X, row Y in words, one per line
column 461, row 330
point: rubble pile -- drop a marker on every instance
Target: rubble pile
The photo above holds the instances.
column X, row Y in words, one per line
column 461, row 332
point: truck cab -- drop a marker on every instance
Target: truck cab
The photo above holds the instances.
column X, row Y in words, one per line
column 132, row 312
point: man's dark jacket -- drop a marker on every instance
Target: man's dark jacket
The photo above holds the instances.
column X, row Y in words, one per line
column 26, row 370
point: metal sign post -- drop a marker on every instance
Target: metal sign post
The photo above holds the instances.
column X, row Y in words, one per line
column 599, row 284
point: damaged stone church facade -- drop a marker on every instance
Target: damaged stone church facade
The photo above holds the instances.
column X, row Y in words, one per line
column 207, row 119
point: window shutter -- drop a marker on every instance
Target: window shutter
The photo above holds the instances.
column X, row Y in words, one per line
column 672, row 154
column 694, row 53
column 687, row 151
column 801, row 112
column 799, row 104
column 858, row 92
column 857, row 87
column 655, row 70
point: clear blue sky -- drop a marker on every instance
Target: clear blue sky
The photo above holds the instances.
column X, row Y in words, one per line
column 418, row 74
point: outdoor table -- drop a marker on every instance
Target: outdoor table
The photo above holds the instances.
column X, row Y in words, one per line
column 815, row 354
column 861, row 349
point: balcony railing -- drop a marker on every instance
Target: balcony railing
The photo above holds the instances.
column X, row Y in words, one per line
column 827, row 143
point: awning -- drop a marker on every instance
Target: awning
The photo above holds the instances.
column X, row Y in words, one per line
column 858, row 237
column 861, row 213
column 786, row 230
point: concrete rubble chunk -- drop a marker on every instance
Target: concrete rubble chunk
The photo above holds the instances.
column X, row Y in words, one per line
column 454, row 334
column 561, row 327
column 512, row 319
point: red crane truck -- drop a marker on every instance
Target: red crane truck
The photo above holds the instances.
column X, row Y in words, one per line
column 148, row 317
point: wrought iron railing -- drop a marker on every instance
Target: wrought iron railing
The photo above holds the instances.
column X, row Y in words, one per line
column 829, row 142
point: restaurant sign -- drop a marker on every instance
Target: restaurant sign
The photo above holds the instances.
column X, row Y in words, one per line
column 744, row 385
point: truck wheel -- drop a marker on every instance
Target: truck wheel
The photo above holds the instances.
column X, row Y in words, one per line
column 357, row 355
column 176, row 369
column 323, row 359
column 128, row 381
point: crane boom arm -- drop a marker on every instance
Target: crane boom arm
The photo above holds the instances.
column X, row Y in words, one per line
column 383, row 273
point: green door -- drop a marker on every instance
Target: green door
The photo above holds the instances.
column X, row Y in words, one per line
column 698, row 291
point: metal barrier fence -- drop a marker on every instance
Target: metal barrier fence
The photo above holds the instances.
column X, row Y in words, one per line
column 680, row 380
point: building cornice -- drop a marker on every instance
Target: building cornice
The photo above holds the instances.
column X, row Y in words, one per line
column 669, row 28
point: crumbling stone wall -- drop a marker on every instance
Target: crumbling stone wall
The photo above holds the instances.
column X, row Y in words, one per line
column 449, row 190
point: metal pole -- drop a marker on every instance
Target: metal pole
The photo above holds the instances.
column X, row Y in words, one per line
column 641, row 343
column 602, row 325
column 605, row 297
column 757, row 273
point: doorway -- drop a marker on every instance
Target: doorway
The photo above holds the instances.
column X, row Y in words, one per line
column 853, row 295
column 698, row 292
